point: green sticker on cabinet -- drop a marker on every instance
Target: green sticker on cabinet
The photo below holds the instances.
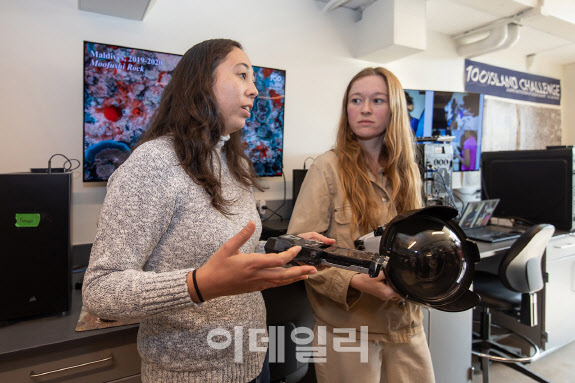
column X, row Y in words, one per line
column 27, row 220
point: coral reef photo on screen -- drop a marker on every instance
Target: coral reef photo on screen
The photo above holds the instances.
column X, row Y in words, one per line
column 263, row 133
column 122, row 89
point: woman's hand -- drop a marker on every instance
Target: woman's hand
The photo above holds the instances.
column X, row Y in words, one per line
column 229, row 272
column 317, row 237
column 377, row 287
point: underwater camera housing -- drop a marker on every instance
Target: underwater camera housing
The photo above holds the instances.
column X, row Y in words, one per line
column 424, row 254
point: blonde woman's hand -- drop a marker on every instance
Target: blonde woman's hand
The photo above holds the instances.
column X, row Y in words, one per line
column 229, row 272
column 377, row 287
column 318, row 237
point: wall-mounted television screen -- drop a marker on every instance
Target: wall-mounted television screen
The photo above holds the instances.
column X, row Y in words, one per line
column 122, row 89
column 458, row 114
column 264, row 130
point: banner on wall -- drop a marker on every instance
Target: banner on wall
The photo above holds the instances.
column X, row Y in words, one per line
column 501, row 82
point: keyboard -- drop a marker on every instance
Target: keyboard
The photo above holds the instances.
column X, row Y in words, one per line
column 488, row 234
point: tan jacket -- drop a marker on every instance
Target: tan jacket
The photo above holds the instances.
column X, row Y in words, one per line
column 320, row 208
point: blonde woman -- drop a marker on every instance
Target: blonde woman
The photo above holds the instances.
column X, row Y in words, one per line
column 368, row 178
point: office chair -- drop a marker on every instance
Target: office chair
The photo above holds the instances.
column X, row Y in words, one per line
column 513, row 292
column 287, row 309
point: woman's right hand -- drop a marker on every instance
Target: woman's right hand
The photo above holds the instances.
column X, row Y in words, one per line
column 377, row 287
column 229, row 272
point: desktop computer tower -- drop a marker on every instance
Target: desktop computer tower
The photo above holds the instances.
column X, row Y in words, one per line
column 298, row 177
column 535, row 186
column 35, row 267
column 435, row 162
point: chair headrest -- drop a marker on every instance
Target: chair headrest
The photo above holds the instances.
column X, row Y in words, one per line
column 517, row 268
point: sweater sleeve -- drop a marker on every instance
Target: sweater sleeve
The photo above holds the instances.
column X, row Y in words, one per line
column 137, row 211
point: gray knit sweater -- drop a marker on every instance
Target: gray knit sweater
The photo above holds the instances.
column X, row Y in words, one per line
column 157, row 225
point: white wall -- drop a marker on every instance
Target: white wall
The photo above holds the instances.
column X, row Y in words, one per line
column 41, row 70
column 568, row 100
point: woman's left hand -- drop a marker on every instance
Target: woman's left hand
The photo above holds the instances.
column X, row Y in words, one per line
column 318, row 237
column 377, row 287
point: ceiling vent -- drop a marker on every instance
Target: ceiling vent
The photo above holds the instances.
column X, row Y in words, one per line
column 488, row 39
column 390, row 30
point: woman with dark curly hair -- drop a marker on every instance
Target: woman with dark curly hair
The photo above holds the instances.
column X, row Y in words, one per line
column 177, row 240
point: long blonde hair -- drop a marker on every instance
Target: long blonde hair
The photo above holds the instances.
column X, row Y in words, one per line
column 397, row 158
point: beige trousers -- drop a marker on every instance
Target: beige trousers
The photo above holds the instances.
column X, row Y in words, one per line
column 382, row 362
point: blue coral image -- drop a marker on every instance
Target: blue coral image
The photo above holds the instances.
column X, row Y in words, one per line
column 102, row 159
column 263, row 132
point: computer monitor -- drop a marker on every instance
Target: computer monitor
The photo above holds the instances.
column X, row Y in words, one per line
column 533, row 185
column 457, row 114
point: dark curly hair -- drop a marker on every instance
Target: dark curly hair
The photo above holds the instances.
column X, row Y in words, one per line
column 188, row 113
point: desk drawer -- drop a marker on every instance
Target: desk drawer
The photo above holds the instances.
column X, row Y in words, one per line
column 84, row 364
column 560, row 247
